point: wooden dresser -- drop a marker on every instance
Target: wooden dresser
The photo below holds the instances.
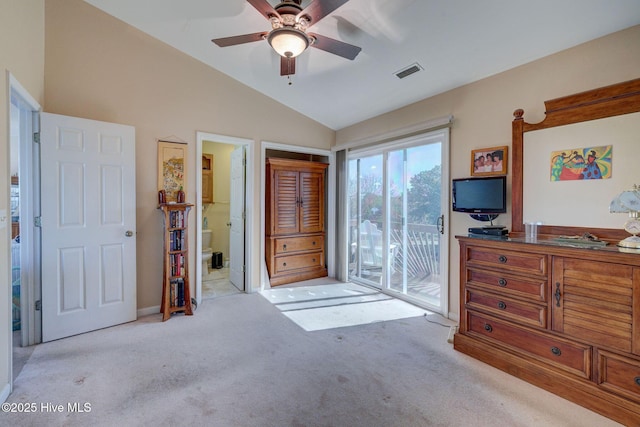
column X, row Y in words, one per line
column 295, row 220
column 563, row 318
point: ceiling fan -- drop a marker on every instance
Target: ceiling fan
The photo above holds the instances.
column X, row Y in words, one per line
column 288, row 35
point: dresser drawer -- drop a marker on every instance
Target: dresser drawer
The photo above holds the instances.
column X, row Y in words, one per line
column 569, row 356
column 284, row 264
column 534, row 289
column 520, row 262
column 619, row 375
column 298, row 244
column 519, row 311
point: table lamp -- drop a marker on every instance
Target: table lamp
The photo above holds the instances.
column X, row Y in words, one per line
column 629, row 202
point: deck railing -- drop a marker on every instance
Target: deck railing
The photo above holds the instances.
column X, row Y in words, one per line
column 420, row 250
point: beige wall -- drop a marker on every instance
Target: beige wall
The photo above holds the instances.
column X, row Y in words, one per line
column 21, row 54
column 483, row 110
column 100, row 68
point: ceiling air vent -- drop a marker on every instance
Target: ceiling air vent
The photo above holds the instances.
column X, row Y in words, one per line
column 411, row 69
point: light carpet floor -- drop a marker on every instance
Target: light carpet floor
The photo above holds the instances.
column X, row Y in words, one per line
column 238, row 361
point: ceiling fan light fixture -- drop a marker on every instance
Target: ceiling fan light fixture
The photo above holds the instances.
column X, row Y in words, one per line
column 288, row 42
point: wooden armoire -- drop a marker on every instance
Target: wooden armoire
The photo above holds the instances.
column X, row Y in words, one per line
column 295, row 220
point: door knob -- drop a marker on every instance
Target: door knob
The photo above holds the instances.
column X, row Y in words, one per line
column 129, row 233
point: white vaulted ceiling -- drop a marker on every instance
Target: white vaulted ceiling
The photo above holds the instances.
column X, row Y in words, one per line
column 455, row 41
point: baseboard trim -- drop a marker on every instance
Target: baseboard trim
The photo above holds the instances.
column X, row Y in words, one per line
column 148, row 310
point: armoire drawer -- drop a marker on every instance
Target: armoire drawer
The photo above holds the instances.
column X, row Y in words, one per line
column 521, row 262
column 569, row 356
column 531, row 288
column 285, row 245
column 289, row 263
column 618, row 374
column 522, row 312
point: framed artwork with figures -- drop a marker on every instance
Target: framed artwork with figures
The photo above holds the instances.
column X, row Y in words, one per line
column 171, row 168
column 489, row 161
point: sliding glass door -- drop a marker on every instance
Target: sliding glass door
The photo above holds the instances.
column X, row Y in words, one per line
column 398, row 198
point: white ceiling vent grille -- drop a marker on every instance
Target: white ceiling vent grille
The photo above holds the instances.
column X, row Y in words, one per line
column 411, row 69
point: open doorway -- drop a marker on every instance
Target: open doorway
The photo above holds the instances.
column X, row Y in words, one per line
column 223, row 188
column 25, row 237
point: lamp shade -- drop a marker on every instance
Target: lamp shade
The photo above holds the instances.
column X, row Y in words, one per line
column 288, row 42
column 627, row 201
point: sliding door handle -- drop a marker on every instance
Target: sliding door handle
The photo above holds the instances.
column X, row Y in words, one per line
column 440, row 224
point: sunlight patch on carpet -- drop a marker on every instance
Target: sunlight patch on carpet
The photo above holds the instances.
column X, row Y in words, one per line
column 314, row 308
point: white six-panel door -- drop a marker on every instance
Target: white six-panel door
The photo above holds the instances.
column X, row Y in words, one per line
column 88, row 225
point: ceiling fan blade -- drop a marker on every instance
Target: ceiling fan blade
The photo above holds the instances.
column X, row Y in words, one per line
column 318, row 9
column 264, row 8
column 336, row 47
column 287, row 66
column 234, row 40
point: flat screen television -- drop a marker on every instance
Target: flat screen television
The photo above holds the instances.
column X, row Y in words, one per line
column 480, row 195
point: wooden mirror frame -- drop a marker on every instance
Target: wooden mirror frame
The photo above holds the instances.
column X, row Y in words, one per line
column 608, row 101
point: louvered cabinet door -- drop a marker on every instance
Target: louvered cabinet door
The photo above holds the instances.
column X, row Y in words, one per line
column 285, row 202
column 311, row 202
column 593, row 302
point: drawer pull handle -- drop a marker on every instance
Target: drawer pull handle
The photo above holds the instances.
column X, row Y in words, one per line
column 502, row 305
column 637, row 380
column 502, row 259
column 488, row 328
column 313, row 260
column 557, row 294
column 313, row 243
column 284, row 247
column 284, row 264
column 502, row 282
column 556, row 351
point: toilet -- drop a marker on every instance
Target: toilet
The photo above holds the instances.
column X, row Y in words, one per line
column 206, row 251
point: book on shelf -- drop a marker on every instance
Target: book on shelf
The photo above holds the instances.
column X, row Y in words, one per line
column 176, row 292
column 176, row 219
column 176, row 262
column 176, row 240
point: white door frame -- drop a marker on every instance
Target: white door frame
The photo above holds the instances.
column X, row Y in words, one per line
column 331, row 204
column 250, row 238
column 31, row 326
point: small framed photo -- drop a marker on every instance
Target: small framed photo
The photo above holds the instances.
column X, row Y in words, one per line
column 489, row 161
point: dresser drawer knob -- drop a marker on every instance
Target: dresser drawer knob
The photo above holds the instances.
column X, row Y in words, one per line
column 502, row 305
column 313, row 260
column 502, row 259
column 556, row 351
column 284, row 264
column 502, row 282
column 284, row 247
column 637, row 380
column 488, row 328
column 313, row 243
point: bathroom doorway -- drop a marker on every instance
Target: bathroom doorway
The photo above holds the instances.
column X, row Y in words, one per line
column 222, row 265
